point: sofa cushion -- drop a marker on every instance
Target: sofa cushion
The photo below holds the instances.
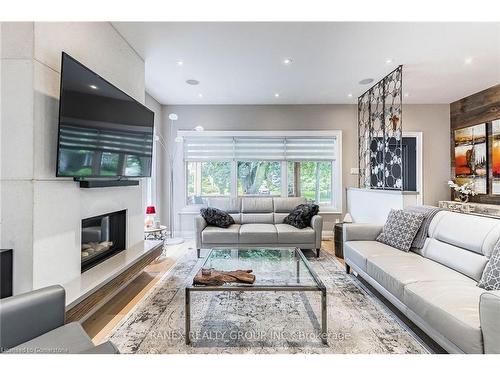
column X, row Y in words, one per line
column 258, row 233
column 359, row 251
column 279, row 217
column 394, row 272
column 451, row 308
column 212, row 234
column 286, row 205
column 67, row 339
column 256, row 205
column 231, row 205
column 216, row 217
column 290, row 235
column 490, row 280
column 264, row 218
column 474, row 233
column 461, row 260
column 301, row 216
column 400, row 229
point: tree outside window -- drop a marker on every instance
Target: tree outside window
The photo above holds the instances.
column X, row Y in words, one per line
column 311, row 180
column 207, row 179
column 259, row 178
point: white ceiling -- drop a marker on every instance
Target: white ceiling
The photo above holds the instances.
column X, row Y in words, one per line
column 241, row 63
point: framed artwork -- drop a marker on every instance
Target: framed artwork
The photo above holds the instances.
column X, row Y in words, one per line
column 495, row 157
column 471, row 157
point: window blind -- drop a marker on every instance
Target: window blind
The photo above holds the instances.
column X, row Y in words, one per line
column 208, row 148
column 310, row 148
column 259, row 148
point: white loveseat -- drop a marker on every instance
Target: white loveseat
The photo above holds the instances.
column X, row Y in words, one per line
column 258, row 222
column 436, row 287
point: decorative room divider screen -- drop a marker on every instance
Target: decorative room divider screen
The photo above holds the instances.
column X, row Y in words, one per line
column 380, row 133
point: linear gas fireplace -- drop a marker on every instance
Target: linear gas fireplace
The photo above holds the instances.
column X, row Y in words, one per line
column 102, row 237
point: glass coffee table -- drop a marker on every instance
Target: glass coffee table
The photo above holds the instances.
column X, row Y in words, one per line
column 275, row 270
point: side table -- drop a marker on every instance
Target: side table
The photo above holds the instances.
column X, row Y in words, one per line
column 159, row 234
column 337, row 238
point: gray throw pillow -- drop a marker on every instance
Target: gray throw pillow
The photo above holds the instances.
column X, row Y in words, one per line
column 400, row 229
column 491, row 274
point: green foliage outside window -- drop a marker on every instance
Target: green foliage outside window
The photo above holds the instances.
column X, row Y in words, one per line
column 314, row 180
column 215, row 178
column 259, row 178
column 309, row 179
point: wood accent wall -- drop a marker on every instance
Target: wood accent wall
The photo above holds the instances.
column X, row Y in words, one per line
column 479, row 108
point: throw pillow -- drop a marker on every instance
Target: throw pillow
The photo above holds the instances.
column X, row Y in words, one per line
column 214, row 216
column 491, row 274
column 400, row 229
column 300, row 217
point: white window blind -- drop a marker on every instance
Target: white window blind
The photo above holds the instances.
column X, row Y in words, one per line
column 261, row 148
column 208, row 148
column 310, row 148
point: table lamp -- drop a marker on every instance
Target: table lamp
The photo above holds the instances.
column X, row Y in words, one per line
column 150, row 216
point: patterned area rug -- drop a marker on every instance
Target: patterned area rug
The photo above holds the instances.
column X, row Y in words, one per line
column 264, row 322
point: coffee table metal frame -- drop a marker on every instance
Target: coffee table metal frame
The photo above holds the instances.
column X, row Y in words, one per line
column 260, row 288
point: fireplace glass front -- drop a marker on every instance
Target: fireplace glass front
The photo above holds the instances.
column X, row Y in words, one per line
column 102, row 237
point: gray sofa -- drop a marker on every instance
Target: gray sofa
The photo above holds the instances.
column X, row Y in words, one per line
column 436, row 287
column 258, row 222
column 33, row 323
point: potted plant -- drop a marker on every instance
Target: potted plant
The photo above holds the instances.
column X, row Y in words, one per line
column 464, row 191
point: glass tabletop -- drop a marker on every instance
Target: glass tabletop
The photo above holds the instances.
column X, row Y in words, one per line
column 272, row 267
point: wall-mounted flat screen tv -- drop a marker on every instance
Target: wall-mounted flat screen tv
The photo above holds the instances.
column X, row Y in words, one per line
column 103, row 132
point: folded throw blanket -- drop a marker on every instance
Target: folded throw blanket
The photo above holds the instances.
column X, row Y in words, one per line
column 429, row 212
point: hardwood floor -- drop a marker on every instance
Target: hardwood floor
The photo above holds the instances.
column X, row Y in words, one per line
column 100, row 324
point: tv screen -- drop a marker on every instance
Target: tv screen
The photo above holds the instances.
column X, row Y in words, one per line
column 103, row 132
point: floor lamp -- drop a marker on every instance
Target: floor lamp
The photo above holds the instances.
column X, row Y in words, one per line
column 171, row 158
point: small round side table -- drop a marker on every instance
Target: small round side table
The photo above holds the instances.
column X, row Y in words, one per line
column 153, row 233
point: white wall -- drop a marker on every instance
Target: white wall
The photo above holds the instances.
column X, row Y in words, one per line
column 432, row 120
column 45, row 230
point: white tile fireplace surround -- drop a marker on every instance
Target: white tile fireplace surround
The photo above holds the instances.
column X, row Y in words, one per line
column 58, row 210
column 41, row 214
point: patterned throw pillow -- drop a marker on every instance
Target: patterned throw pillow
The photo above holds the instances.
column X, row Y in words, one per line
column 400, row 229
column 301, row 216
column 491, row 274
column 214, row 216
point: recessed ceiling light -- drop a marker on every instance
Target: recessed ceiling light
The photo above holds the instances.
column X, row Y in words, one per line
column 200, row 95
column 468, row 60
column 287, row 61
column 349, row 95
column 276, row 95
column 366, row 81
column 193, row 82
column 388, row 60
column 93, row 87
column 199, row 128
column 180, row 63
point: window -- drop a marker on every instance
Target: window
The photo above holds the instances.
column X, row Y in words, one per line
column 311, row 180
column 259, row 178
column 293, row 164
column 207, row 179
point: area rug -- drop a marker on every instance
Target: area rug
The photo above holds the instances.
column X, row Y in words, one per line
column 264, row 322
